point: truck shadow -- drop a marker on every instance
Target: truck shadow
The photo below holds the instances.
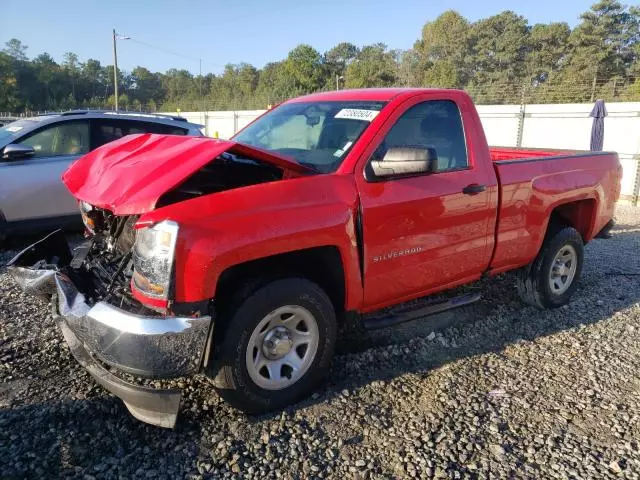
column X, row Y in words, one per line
column 94, row 437
column 500, row 319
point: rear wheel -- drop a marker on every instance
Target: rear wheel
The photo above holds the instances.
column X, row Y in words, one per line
column 274, row 346
column 550, row 280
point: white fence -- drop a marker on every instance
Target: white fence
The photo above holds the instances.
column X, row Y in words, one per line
column 569, row 126
column 552, row 126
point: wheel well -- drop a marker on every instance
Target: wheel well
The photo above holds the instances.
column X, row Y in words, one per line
column 321, row 265
column 578, row 214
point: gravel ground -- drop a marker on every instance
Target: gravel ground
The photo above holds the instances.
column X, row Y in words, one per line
column 507, row 392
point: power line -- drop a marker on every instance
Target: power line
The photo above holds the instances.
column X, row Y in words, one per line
column 164, row 50
column 226, row 18
column 176, row 54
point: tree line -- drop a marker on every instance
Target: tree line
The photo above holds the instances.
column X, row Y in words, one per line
column 499, row 59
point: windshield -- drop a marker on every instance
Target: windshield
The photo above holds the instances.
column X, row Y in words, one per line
column 315, row 134
column 17, row 127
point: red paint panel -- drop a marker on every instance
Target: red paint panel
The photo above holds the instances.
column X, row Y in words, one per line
column 422, row 234
column 513, row 153
column 228, row 228
column 445, row 232
column 532, row 190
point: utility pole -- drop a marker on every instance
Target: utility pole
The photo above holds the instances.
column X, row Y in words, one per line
column 338, row 78
column 204, row 113
column 115, row 69
column 115, row 63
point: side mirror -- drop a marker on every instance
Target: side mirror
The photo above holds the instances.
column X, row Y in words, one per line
column 312, row 121
column 403, row 161
column 16, row 151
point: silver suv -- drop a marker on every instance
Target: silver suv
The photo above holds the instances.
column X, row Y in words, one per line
column 34, row 152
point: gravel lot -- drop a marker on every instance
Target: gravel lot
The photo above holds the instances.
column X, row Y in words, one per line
column 507, row 392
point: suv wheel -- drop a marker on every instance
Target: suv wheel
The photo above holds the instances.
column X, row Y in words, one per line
column 275, row 347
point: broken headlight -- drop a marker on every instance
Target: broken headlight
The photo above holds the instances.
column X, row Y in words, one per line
column 153, row 253
column 90, row 216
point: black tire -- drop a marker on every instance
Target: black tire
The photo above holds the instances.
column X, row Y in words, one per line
column 228, row 367
column 533, row 280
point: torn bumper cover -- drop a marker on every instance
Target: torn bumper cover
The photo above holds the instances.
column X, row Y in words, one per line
column 147, row 346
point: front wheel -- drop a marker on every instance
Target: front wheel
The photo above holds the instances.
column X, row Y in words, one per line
column 550, row 280
column 275, row 346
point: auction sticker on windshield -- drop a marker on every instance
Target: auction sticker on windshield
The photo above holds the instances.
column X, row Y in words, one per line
column 357, row 114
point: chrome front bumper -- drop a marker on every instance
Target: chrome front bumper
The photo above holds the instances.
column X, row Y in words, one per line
column 147, row 346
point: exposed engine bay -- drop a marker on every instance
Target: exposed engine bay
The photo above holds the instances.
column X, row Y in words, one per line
column 101, row 266
column 227, row 172
column 104, row 260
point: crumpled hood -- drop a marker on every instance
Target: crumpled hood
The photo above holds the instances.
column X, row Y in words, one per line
column 128, row 176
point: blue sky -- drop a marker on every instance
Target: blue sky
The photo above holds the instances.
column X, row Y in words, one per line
column 226, row 31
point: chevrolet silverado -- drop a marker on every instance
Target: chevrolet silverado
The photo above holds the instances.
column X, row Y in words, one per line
column 239, row 259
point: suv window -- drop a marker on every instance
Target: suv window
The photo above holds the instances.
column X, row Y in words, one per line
column 436, row 124
column 67, row 138
column 149, row 127
column 109, row 130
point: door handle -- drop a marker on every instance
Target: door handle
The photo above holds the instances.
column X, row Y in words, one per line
column 474, row 189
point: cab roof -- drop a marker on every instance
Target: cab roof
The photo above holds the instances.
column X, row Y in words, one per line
column 124, row 114
column 366, row 94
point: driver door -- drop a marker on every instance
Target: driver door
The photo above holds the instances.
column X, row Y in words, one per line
column 31, row 187
column 425, row 232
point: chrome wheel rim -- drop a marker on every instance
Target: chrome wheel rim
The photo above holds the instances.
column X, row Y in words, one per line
column 282, row 347
column 563, row 270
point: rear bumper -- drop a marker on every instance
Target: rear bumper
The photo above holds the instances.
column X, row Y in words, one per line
column 147, row 346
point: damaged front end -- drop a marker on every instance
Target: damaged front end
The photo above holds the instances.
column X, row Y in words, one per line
column 104, row 325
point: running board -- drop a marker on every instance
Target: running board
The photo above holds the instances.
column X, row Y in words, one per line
column 411, row 313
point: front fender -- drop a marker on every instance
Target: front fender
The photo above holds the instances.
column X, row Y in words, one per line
column 219, row 231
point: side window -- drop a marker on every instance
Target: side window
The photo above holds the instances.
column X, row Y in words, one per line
column 149, row 127
column 68, row 138
column 436, row 124
column 109, row 130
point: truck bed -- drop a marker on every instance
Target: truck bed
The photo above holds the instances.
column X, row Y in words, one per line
column 515, row 153
column 534, row 182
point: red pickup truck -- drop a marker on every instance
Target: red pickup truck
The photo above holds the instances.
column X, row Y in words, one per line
column 239, row 259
